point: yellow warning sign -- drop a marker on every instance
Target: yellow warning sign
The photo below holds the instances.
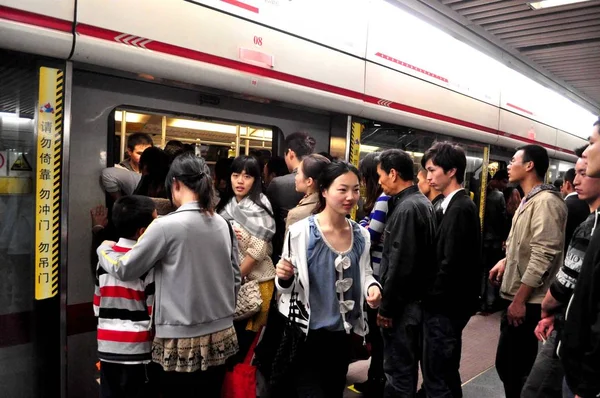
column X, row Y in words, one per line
column 354, row 152
column 48, row 182
column 21, row 164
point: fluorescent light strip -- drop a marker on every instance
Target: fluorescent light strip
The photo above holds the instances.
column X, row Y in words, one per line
column 205, row 126
column 539, row 5
column 131, row 117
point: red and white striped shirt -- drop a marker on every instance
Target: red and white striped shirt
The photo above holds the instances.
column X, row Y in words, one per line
column 124, row 311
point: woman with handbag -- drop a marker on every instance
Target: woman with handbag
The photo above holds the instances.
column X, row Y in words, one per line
column 324, row 279
column 248, row 210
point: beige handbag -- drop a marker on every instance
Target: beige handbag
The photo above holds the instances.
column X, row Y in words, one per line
column 249, row 301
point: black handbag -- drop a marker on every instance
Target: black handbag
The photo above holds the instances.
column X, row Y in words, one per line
column 277, row 352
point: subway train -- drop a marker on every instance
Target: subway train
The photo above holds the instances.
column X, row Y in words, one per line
column 230, row 77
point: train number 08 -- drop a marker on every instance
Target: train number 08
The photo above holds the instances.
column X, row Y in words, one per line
column 258, row 40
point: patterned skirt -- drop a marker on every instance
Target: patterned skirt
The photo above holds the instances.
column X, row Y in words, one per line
column 196, row 353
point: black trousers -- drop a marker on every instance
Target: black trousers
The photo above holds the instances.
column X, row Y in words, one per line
column 126, row 381
column 321, row 367
column 202, row 384
column 374, row 337
column 517, row 350
column 402, row 352
column 442, row 347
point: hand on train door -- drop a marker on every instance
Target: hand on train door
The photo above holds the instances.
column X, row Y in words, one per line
column 497, row 272
column 99, row 215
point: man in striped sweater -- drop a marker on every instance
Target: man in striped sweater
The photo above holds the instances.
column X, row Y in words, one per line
column 124, row 310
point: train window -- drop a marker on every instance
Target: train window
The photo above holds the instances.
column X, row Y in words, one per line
column 210, row 138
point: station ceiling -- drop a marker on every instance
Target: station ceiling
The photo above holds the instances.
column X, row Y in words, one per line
column 561, row 42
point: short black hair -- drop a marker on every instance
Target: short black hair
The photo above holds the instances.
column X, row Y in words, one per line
column 448, row 156
column 500, row 175
column 597, row 122
column 136, row 139
column 174, row 148
column 558, row 183
column 579, row 151
column 301, row 143
column 398, row 160
column 539, row 156
column 130, row 213
column 277, row 165
column 569, row 176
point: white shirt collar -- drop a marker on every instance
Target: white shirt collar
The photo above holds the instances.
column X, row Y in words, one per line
column 571, row 194
column 126, row 243
column 447, row 200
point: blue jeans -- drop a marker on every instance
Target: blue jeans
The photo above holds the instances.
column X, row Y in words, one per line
column 546, row 376
column 442, row 345
column 401, row 352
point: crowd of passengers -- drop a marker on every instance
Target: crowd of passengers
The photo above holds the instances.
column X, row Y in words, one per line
column 194, row 272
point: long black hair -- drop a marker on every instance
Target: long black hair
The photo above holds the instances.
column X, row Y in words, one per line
column 328, row 176
column 251, row 166
column 192, row 172
column 368, row 171
column 154, row 165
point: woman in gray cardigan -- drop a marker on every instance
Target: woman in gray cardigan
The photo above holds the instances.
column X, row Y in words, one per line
column 197, row 276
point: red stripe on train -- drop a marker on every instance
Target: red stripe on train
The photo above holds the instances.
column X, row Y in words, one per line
column 31, row 18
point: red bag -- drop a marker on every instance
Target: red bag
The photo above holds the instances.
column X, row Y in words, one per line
column 241, row 381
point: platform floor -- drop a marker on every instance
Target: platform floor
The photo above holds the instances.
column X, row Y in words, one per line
column 480, row 380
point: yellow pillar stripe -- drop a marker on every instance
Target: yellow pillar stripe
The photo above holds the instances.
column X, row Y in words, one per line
column 48, row 182
column 354, row 152
column 484, row 182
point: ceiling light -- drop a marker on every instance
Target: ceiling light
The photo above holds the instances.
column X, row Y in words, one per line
column 205, row 126
column 131, row 117
column 538, row 5
column 368, row 148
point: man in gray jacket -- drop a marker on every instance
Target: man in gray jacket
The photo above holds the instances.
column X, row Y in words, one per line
column 282, row 190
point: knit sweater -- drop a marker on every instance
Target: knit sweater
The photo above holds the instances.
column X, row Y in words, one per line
column 124, row 311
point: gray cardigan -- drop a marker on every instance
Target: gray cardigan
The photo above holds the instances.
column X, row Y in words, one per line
column 197, row 272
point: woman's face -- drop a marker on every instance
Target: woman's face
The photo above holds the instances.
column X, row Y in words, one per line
column 241, row 184
column 342, row 195
column 301, row 181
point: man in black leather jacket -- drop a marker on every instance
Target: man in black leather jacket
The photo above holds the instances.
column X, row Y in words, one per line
column 407, row 268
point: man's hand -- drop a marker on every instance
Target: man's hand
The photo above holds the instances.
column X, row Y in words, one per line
column 516, row 313
column 497, row 272
column 99, row 215
column 284, row 270
column 384, row 322
column 374, row 297
column 544, row 328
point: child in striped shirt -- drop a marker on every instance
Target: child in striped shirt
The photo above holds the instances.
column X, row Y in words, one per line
column 124, row 309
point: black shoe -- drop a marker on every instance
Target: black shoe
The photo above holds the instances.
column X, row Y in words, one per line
column 371, row 388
